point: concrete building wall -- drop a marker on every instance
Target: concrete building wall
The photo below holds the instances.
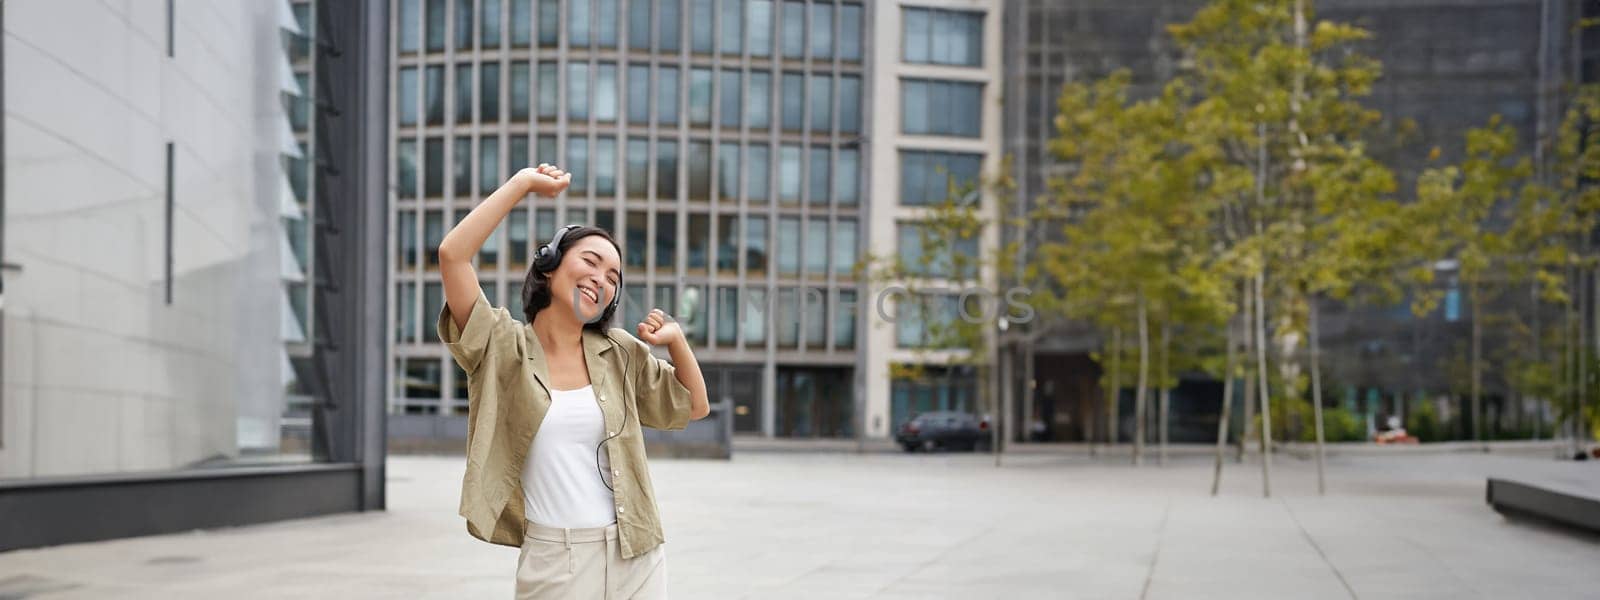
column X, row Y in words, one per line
column 102, row 372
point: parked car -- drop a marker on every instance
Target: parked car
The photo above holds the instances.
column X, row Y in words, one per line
column 943, row 430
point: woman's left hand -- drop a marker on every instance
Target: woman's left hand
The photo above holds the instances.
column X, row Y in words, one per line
column 658, row 329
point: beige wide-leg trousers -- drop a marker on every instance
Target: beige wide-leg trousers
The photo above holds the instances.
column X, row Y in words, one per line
column 586, row 563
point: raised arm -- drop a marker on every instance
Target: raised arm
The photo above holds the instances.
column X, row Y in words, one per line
column 467, row 237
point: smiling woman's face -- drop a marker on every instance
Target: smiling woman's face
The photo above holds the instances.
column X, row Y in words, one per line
column 587, row 279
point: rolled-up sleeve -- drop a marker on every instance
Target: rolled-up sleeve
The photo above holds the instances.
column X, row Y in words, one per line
column 663, row 402
column 468, row 346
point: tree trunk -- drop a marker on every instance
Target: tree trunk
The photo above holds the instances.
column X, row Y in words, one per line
column 1266, row 396
column 1316, row 396
column 1227, row 404
column 1538, row 353
column 1247, row 327
column 1144, row 384
column 1116, row 389
column 1477, row 363
column 1166, row 393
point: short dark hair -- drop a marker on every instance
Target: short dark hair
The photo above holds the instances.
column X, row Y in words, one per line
column 536, row 285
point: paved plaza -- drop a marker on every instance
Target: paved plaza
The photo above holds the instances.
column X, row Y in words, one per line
column 838, row 525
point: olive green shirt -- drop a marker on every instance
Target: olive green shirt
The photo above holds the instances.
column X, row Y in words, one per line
column 508, row 392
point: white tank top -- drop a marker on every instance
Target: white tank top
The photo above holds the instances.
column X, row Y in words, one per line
column 560, row 485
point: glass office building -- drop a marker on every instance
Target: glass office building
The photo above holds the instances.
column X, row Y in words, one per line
column 721, row 141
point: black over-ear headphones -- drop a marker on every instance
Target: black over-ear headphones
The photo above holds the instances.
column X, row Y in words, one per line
column 548, row 257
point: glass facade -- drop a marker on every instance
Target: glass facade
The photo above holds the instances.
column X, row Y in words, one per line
column 678, row 116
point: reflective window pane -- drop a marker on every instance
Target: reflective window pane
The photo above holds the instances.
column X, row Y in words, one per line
column 789, row 174
column 794, row 101
column 518, row 250
column 666, row 234
column 578, row 91
column 820, row 182
column 786, row 321
column 758, row 109
column 817, row 246
column 435, row 33
column 406, row 320
column 700, row 96
column 946, row 37
column 760, row 28
column 410, row 25
column 634, row 248
column 700, row 24
column 788, row 246
column 727, row 243
column 605, row 166
column 754, row 323
column 405, row 168
column 461, row 166
column 578, row 165
column 432, row 235
column 433, row 167
column 700, row 171
column 406, row 96
column 732, row 27
column 927, row 177
column 639, row 24
column 607, row 34
column 463, row 24
column 489, row 93
column 549, row 23
column 578, row 23
column 699, row 241
column 846, row 180
column 489, row 22
column 433, row 104
column 521, row 23
column 605, row 92
column 821, row 31
column 488, row 164
column 727, row 315
column 639, row 94
column 821, row 100
column 755, row 245
column 849, row 104
column 933, row 107
column 406, row 231
column 850, row 32
column 731, row 88
column 757, row 167
column 637, row 173
column 728, row 172
column 667, row 96
column 668, row 24
column 815, row 301
column 666, row 169
column 844, row 247
column 794, row 29
column 516, row 155
column 464, row 86
column 521, row 87
column 844, row 320
column 549, row 102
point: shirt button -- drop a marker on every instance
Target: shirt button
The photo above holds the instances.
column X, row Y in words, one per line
column 616, row 472
column 621, row 510
column 611, row 433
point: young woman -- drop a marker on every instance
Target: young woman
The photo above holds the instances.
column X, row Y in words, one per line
column 555, row 454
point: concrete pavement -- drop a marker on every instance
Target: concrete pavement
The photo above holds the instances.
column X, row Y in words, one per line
column 835, row 525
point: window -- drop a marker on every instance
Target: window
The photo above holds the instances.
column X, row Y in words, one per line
column 405, row 168
column 406, row 96
column 637, row 174
column 549, row 102
column 434, row 102
column 605, row 219
column 666, row 234
column 732, row 27
column 789, row 174
column 849, row 104
column 822, row 31
column 435, row 32
column 521, row 102
column 821, row 100
column 578, row 165
column 727, row 315
column 605, row 92
column 666, row 169
column 635, row 247
column 517, row 249
column 406, row 313
column 700, row 171
column 639, row 94
column 755, row 317
column 664, row 298
column 816, row 308
column 423, row 377
column 488, row 164
column 944, row 37
column 605, row 166
column 731, row 90
column 788, row 246
column 578, row 91
column 410, row 26
column 667, row 96
column 608, row 23
column 639, row 24
column 544, row 224
column 850, row 32
column 844, row 247
column 463, row 24
column 758, row 111
column 464, row 93
column 844, row 320
column 817, row 246
column 757, row 167
column 700, row 23
column 490, row 22
column 521, row 23
column 549, row 23
column 926, row 178
column 699, row 241
column 692, row 313
column 817, row 192
column 461, row 166
column 728, row 172
column 794, row 100
column 546, row 150
column 924, row 256
column 727, row 243
column 794, row 29
column 578, row 25
column 516, row 155
column 489, row 93
column 406, row 227
column 787, row 318
column 668, row 23
column 755, row 245
column 700, row 96
column 941, row 107
column 433, row 167
column 846, row 178
column 761, row 28
column 923, row 321
column 432, row 235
